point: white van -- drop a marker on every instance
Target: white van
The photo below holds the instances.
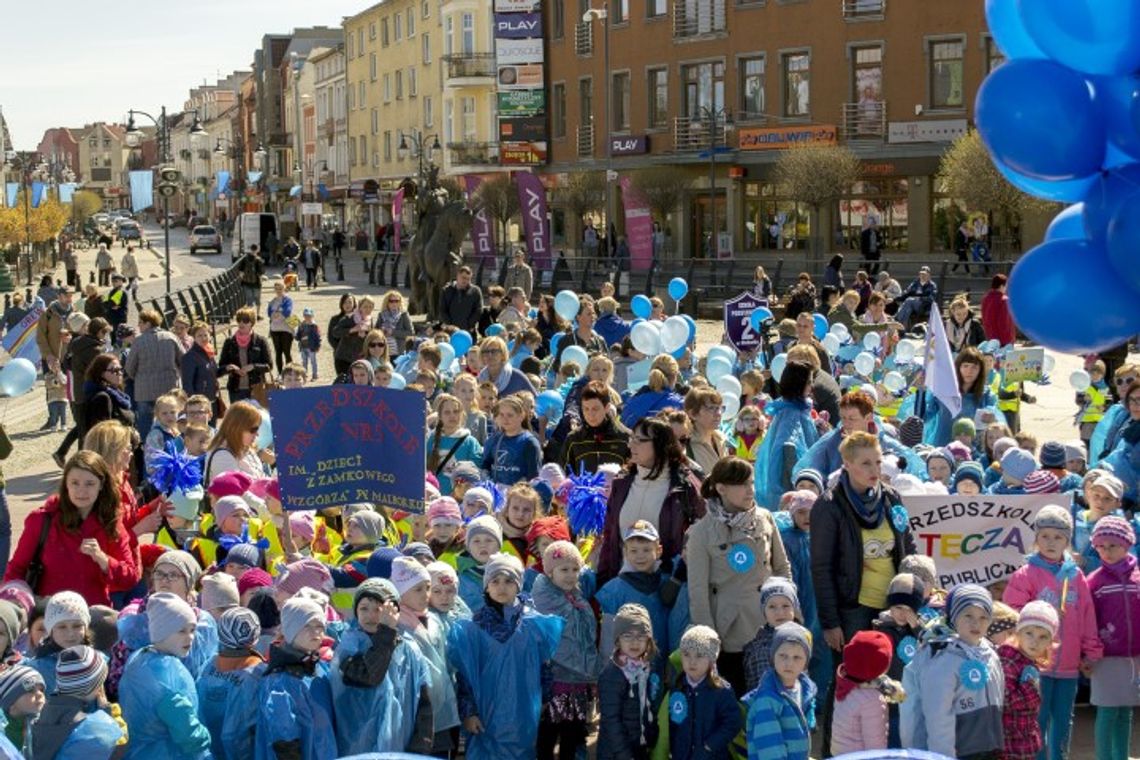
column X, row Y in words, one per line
column 252, row 228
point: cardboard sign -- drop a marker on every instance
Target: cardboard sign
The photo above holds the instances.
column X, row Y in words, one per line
column 975, row 539
column 1024, row 365
column 344, row 443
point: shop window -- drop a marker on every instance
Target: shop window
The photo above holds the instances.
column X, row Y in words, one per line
column 772, row 221
column 946, row 65
column 882, row 200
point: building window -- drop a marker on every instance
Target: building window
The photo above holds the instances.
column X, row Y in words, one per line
column 372, row 31
column 698, row 17
column 372, row 66
column 362, row 98
column 387, row 88
column 425, row 43
column 558, row 109
column 351, row 98
column 868, row 74
column 468, row 106
column 752, row 87
column 412, row 88
column 557, row 19
column 384, row 32
column 946, row 74
column 994, row 56
column 429, row 114
column 411, row 22
column 658, row 98
column 348, row 40
column 387, row 145
column 399, row 85
column 352, row 151
column 448, row 35
column 468, row 33
column 797, row 84
column 621, row 11
column 621, row 93
column 704, row 87
column 375, row 121
column 656, row 8
column 425, row 9
column 397, row 27
column 360, row 41
column 448, row 132
column 363, row 150
column 586, row 101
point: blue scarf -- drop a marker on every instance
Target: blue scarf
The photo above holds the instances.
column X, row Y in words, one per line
column 870, row 506
column 1064, row 570
column 118, row 398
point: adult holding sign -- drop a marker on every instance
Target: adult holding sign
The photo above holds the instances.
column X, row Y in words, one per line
column 859, row 535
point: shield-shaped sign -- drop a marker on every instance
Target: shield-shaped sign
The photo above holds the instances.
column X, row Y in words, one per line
column 737, row 321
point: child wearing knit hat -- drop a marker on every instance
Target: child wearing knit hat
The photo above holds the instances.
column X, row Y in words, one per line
column 780, row 604
column 922, row 566
column 630, row 687
column 859, row 722
column 968, row 479
column 77, row 721
column 348, row 562
column 503, row 682
column 1115, row 586
column 1023, row 656
column 445, row 529
column 1052, row 575
column 576, row 663
column 21, row 700
column 781, row 712
column 219, row 593
column 940, row 466
column 157, row 692
column 484, row 538
column 227, row 688
column 292, row 721
column 709, row 730
column 1016, row 465
column 794, row 522
column 66, row 618
column 954, row 684
column 1103, row 493
column 443, row 599
column 379, row 680
column 902, row 624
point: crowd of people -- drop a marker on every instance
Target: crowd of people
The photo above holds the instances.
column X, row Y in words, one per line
column 640, row 547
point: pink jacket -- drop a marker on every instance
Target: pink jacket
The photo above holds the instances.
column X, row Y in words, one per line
column 1078, row 637
column 859, row 722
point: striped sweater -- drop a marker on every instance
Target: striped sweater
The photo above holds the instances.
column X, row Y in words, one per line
column 779, row 725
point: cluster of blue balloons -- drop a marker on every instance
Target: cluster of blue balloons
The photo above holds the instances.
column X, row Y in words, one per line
column 1062, row 121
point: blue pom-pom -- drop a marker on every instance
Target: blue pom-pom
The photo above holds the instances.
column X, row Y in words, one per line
column 173, row 470
column 498, row 494
column 586, row 508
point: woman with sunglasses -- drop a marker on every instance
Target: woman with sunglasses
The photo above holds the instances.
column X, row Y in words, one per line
column 103, row 389
column 376, row 349
column 394, row 322
column 235, row 444
column 245, row 359
column 1106, row 435
column 656, row 485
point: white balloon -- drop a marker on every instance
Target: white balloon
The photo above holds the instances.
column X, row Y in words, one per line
column 722, row 350
column 1050, row 363
column 840, row 331
column 731, row 407
column 717, row 368
column 864, row 363
column 674, row 333
column 645, row 339
column 905, row 351
column 397, row 383
column 1080, row 381
column 447, row 352
column 872, row 340
column 830, row 344
column 576, row 355
column 729, row 386
column 894, row 382
column 779, row 361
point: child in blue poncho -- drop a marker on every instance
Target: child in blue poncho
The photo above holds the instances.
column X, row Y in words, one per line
column 484, row 538
column 157, row 693
column 379, row 681
column 576, row 663
column 512, row 453
column 791, row 432
column 293, row 719
column 227, row 688
column 501, row 661
column 78, row 723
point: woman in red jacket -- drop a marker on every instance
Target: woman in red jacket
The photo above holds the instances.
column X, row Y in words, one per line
column 85, row 548
column 997, row 319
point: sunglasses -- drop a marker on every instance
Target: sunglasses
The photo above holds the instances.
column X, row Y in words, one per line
column 114, row 370
column 1124, row 380
column 376, row 345
column 245, row 321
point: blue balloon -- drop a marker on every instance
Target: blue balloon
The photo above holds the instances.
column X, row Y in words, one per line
column 492, row 330
column 17, row 377
column 1041, row 120
column 821, row 326
column 679, row 354
column 1120, row 99
column 397, row 383
column 678, row 288
column 461, row 341
column 641, row 306
column 1009, row 32
column 1121, row 241
column 533, row 313
column 1045, row 291
column 554, row 341
column 1108, row 192
column 265, row 431
column 692, row 327
column 1091, row 36
column 1067, row 191
column 566, row 304
column 1067, row 225
column 758, row 317
column 717, row 367
column 549, row 404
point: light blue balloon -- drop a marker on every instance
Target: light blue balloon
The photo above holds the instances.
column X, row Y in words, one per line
column 865, row 363
column 1068, row 225
column 461, row 341
column 447, row 352
column 397, row 383
column 17, row 377
column 1091, row 36
column 1041, row 120
column 674, row 334
column 1004, row 21
column 641, row 306
column 265, row 431
column 575, row 355
column 678, row 288
column 779, row 362
column 692, row 327
column 723, row 351
column 555, row 341
column 831, row 344
column 492, row 330
column 716, row 368
column 821, row 326
column 566, row 305
column 758, row 317
column 549, row 404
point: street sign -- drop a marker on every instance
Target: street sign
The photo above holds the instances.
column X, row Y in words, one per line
column 738, row 321
column 311, row 209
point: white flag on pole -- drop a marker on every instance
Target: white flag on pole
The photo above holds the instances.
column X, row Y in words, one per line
column 941, row 377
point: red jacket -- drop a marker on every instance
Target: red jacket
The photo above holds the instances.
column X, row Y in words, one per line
column 997, row 319
column 65, row 569
column 1022, row 704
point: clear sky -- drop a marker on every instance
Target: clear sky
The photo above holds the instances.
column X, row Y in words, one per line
column 66, row 63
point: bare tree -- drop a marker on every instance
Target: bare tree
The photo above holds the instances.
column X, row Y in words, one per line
column 583, row 193
column 817, row 175
column 664, row 187
column 500, row 197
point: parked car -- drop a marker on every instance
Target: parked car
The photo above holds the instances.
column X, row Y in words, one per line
column 205, row 236
column 129, row 230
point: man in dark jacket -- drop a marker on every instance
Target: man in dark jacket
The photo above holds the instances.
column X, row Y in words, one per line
column 462, row 302
column 81, row 351
column 116, row 302
column 250, row 269
column 920, row 295
column 601, row 439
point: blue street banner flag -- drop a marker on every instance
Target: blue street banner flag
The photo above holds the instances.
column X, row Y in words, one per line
column 39, row 194
column 223, row 182
column 253, row 177
column 66, row 192
column 11, row 191
column 323, row 191
column 941, row 377
column 142, row 190
column 20, row 341
column 295, row 191
column 347, row 443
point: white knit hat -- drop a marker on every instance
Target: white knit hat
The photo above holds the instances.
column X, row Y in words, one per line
column 296, row 614
column 167, row 614
column 408, row 573
column 64, row 606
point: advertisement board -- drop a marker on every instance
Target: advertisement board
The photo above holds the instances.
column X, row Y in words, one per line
column 521, row 102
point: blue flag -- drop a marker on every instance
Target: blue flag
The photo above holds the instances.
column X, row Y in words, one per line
column 142, row 190
column 66, row 191
column 12, row 190
column 39, row 193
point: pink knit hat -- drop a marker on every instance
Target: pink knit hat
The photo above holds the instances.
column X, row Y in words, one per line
column 1112, row 526
column 444, row 511
column 305, row 573
column 1040, row 614
column 1041, row 481
column 303, row 524
column 232, row 483
column 255, row 578
column 798, row 501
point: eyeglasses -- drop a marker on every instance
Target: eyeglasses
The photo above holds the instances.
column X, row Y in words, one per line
column 376, row 345
column 1134, row 401
column 490, row 352
column 393, row 300
column 713, row 408
column 114, row 370
column 162, row 575
column 245, row 321
column 1124, row 380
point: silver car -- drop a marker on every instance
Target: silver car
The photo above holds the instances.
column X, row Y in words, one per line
column 205, row 236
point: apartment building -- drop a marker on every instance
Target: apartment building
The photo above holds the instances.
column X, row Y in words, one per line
column 331, row 126
column 103, row 158
column 735, row 81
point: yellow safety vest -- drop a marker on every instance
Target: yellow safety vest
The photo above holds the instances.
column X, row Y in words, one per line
column 341, row 598
column 744, row 451
column 1097, row 405
column 207, row 549
column 1010, row 404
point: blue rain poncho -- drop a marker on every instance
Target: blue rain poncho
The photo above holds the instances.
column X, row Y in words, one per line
column 431, row 638
column 378, row 718
column 505, row 681
column 1124, row 461
column 938, row 423
column 227, row 706
column 1107, row 432
column 160, row 706
column 95, row 738
column 292, row 708
column 134, row 634
column 791, row 432
column 824, row 457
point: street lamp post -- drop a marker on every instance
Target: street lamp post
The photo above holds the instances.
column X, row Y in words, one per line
column 603, row 15
column 416, row 143
column 715, row 117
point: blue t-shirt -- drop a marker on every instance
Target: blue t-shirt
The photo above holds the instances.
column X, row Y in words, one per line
column 509, row 459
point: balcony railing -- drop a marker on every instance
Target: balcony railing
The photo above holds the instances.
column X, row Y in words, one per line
column 691, row 134
column 696, row 18
column 864, row 10
column 865, row 121
column 470, row 65
column 586, row 141
column 584, row 38
column 473, row 154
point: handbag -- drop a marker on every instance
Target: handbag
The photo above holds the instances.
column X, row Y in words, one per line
column 35, row 572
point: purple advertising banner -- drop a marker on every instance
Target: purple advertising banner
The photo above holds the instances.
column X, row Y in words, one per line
column 630, row 145
column 482, row 232
column 536, row 228
column 518, row 26
column 638, row 227
column 397, row 218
